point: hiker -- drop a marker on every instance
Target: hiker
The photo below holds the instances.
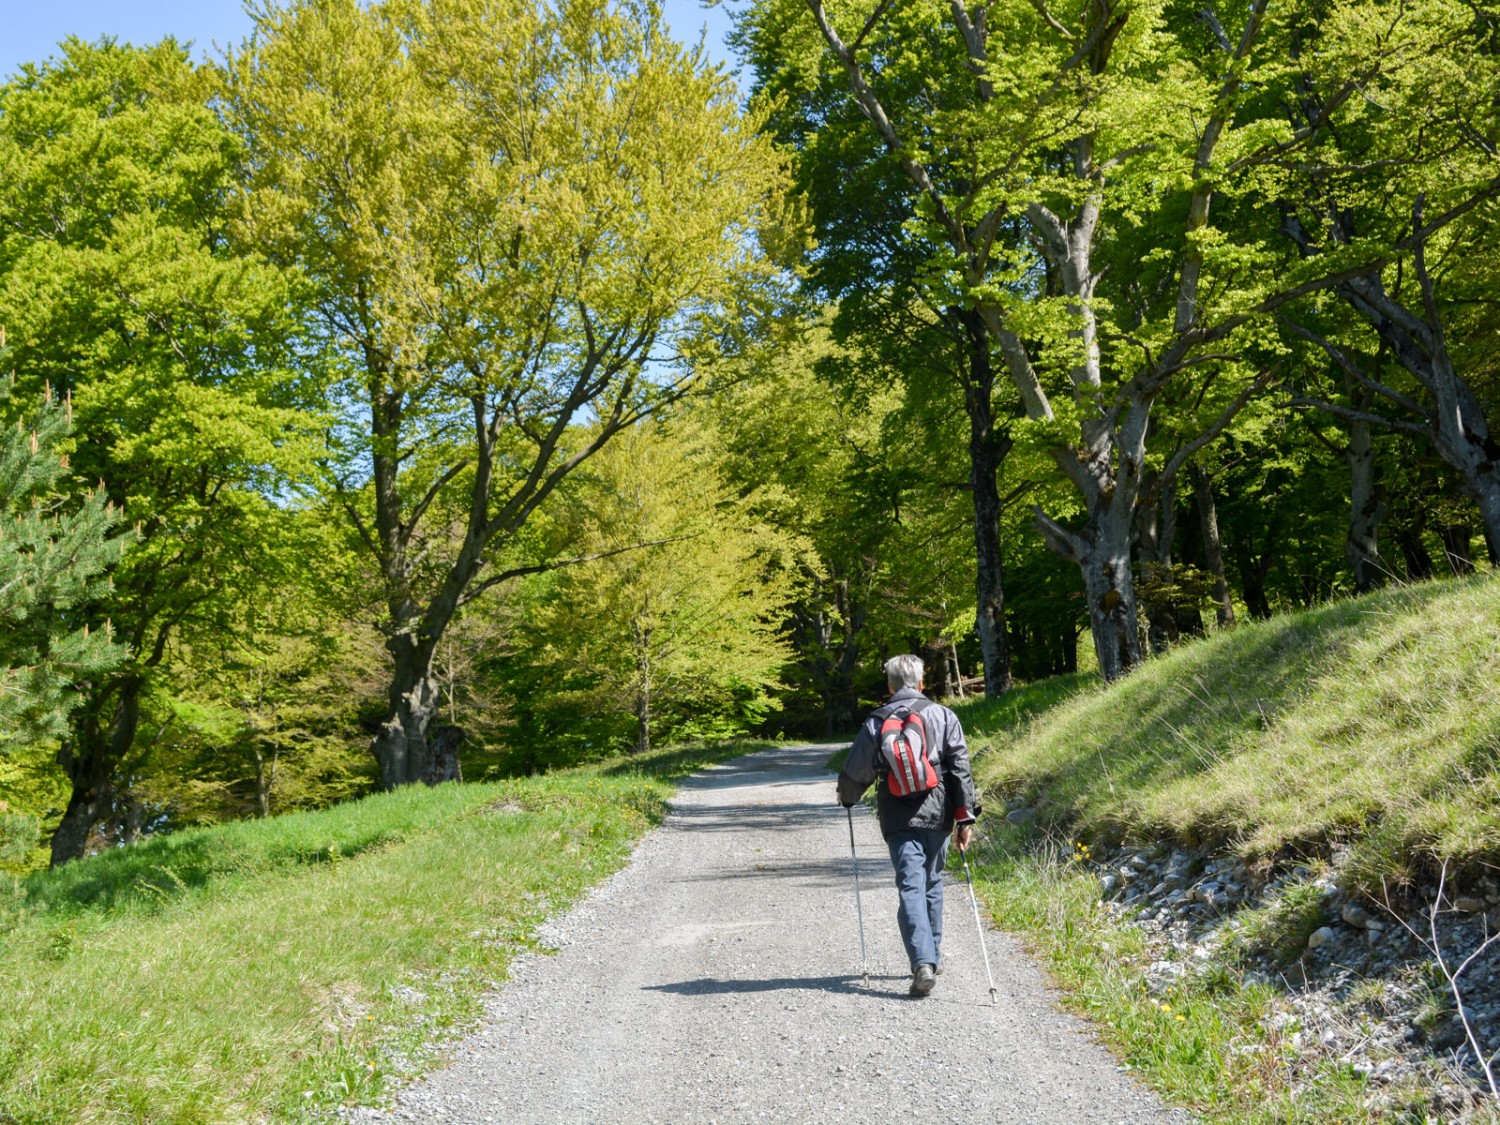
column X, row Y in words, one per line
column 928, row 794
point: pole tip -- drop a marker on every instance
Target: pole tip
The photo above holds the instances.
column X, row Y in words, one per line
column 994, row 997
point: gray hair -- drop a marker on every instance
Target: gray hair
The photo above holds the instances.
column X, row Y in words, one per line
column 904, row 672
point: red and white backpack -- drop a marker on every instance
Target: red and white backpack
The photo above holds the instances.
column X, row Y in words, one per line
column 906, row 751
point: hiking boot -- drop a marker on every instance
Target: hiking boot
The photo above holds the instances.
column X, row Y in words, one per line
column 922, row 980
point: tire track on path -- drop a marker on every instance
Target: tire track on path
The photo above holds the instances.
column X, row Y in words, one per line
column 716, row 980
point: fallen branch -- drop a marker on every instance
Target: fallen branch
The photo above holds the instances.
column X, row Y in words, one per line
column 1434, row 945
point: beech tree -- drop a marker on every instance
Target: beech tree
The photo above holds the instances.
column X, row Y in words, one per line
column 1088, row 179
column 680, row 639
column 120, row 289
column 529, row 227
column 1408, row 183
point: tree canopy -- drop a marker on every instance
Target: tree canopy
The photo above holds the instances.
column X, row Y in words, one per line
column 495, row 382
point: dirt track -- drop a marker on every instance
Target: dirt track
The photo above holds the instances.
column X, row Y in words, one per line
column 716, row 979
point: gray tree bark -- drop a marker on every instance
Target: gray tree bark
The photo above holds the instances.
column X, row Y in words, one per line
column 988, row 447
column 97, row 742
column 1451, row 416
column 1362, row 545
column 1213, row 548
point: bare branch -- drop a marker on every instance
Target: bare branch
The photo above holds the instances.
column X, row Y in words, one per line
column 1353, row 369
column 875, row 17
column 1059, row 539
column 1433, row 943
column 347, row 502
column 870, row 104
column 1349, row 415
column 432, row 492
column 1052, row 22
column 477, row 588
column 1216, row 428
column 1211, row 21
column 1125, row 154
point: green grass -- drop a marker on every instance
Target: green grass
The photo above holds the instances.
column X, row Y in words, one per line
column 1204, row 1041
column 264, row 971
column 1374, row 721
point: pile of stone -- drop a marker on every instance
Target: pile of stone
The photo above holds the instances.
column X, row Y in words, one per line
column 1365, row 990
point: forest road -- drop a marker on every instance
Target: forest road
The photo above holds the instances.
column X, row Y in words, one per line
column 716, row 979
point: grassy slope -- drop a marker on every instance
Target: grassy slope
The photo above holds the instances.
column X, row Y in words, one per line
column 264, row 970
column 1375, row 720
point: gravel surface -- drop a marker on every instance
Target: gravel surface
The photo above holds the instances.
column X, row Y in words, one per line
column 716, row 979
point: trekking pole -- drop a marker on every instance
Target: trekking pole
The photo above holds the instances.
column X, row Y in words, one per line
column 864, row 963
column 974, row 901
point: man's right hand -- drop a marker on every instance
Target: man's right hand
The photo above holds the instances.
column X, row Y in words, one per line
column 962, row 834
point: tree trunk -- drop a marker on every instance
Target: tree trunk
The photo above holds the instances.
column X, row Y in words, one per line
column 1112, row 610
column 1102, row 549
column 442, row 755
column 1489, row 511
column 1457, row 425
column 1414, row 552
column 262, row 786
column 89, row 757
column 1255, row 594
column 1213, row 548
column 842, row 714
column 1362, row 546
column 1167, row 619
column 987, row 451
column 1456, row 538
column 401, row 744
column 135, row 821
column 643, row 719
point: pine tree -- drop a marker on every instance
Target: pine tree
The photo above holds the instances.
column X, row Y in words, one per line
column 53, row 558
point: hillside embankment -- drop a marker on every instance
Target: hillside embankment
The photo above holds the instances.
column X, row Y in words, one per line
column 1251, row 859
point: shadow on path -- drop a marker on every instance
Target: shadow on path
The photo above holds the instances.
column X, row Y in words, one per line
column 710, row 986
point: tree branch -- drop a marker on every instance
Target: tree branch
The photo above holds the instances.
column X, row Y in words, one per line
column 1351, row 368
column 477, row 588
column 1219, row 425
column 1349, row 415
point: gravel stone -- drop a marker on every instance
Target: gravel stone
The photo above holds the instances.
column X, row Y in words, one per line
column 716, row 979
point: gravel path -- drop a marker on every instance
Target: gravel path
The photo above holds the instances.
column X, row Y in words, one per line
column 716, row 979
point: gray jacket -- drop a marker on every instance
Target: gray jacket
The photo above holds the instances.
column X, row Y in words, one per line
column 954, row 799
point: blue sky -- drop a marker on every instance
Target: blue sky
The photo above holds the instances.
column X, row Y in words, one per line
column 31, row 29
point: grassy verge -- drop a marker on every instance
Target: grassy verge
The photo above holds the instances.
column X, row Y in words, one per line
column 1373, row 722
column 1205, row 1041
column 269, row 970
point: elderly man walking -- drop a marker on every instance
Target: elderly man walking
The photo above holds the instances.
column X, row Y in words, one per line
column 918, row 802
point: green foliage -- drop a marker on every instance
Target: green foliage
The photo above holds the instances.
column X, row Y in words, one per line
column 682, row 601
column 53, row 555
column 270, row 724
column 182, row 356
